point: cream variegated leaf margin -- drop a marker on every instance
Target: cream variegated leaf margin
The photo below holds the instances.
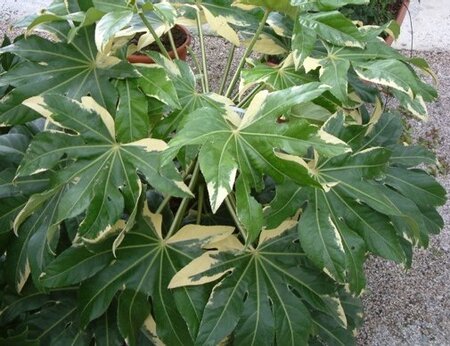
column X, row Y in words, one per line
column 219, row 24
column 266, row 45
column 110, row 24
column 96, row 163
column 231, row 142
column 254, row 280
column 185, row 277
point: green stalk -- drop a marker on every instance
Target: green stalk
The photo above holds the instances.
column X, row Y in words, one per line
column 201, row 196
column 235, row 218
column 184, row 202
column 154, row 34
column 169, row 197
column 250, row 95
column 172, row 44
column 197, row 66
column 227, row 69
column 202, row 47
column 247, row 53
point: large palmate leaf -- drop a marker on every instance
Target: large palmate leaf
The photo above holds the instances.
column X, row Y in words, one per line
column 101, row 173
column 283, row 6
column 332, row 27
column 47, row 318
column 144, row 263
column 360, row 211
column 263, row 294
column 249, row 145
column 285, row 76
column 74, row 70
column 185, row 83
column 407, row 88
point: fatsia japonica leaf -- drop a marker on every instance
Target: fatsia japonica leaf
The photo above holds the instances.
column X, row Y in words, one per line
column 261, row 294
column 110, row 6
column 52, row 318
column 285, row 76
column 189, row 99
column 406, row 87
column 110, row 24
column 283, row 6
column 303, row 42
column 250, row 144
column 132, row 118
column 359, row 211
column 74, row 70
column 145, row 262
column 332, row 27
column 102, row 173
column 288, row 200
column 320, row 5
column 276, row 78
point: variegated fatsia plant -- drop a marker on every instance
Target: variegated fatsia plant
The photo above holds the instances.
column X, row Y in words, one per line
column 139, row 206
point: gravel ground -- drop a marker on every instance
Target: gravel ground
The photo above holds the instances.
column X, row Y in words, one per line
column 413, row 308
column 401, row 308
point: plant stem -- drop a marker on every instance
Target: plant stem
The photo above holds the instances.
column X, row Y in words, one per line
column 167, row 199
column 250, row 95
column 227, row 69
column 154, row 34
column 172, row 44
column 233, row 214
column 202, row 47
column 184, row 202
column 197, row 65
column 247, row 53
column 201, row 196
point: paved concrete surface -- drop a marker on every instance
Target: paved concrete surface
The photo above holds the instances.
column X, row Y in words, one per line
column 427, row 26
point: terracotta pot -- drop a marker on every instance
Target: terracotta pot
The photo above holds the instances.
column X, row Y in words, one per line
column 399, row 19
column 181, row 50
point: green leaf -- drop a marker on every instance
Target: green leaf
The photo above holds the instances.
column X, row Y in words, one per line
column 14, row 305
column 334, row 73
column 109, row 25
column 13, row 147
column 313, row 5
column 276, row 78
column 102, row 177
column 189, row 99
column 302, row 44
column 411, row 156
column 417, row 186
column 249, row 143
column 133, row 309
column 111, row 5
column 288, row 200
column 106, row 330
column 145, row 263
column 283, row 6
column 132, row 121
column 261, row 292
column 154, row 82
column 411, row 92
column 18, row 259
column 320, row 238
column 76, row 264
column 333, row 27
column 74, row 70
column 249, row 211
